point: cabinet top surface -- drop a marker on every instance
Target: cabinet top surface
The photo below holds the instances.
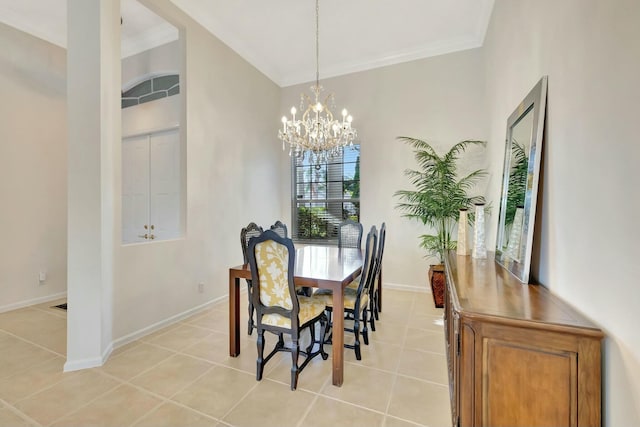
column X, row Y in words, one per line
column 481, row 287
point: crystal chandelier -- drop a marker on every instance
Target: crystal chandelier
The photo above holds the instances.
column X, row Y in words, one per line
column 318, row 134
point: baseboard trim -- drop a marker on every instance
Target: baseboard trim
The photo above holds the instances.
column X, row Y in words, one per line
column 34, row 301
column 76, row 365
column 164, row 323
column 401, row 287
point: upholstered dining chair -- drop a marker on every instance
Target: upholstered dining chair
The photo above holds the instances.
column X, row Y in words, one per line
column 356, row 304
column 279, row 309
column 251, row 230
column 350, row 234
column 280, row 228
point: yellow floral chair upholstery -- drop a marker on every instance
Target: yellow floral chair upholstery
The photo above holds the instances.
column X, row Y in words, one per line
column 279, row 309
column 356, row 303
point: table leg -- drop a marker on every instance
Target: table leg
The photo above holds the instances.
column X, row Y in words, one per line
column 234, row 315
column 338, row 337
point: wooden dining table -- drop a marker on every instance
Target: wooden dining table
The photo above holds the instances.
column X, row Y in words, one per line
column 325, row 267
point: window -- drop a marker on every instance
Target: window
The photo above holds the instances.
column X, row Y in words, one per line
column 150, row 89
column 324, row 195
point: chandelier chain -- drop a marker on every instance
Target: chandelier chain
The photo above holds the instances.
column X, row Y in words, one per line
column 318, row 43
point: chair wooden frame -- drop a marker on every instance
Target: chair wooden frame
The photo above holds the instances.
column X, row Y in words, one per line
column 354, row 230
column 375, row 285
column 292, row 315
column 251, row 230
column 280, row 228
column 366, row 280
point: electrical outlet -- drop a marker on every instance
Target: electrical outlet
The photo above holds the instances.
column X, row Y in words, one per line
column 201, row 287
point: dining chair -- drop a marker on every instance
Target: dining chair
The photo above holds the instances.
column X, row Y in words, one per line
column 350, row 234
column 280, row 228
column 251, row 230
column 377, row 278
column 356, row 304
column 279, row 309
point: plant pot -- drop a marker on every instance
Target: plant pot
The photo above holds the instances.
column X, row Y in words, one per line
column 438, row 282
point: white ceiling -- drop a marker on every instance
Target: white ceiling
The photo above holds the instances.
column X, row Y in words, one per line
column 278, row 36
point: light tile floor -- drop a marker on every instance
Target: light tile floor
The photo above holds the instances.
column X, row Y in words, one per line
column 182, row 375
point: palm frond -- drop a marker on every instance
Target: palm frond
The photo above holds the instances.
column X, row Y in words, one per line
column 438, row 193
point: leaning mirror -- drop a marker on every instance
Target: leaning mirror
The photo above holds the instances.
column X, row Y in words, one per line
column 523, row 152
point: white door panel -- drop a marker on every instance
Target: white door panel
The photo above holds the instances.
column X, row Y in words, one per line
column 135, row 188
column 151, row 186
column 164, row 184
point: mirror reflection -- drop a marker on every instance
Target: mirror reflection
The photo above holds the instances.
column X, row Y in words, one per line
column 518, row 167
column 520, row 183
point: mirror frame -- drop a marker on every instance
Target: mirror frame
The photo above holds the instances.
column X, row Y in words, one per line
column 535, row 101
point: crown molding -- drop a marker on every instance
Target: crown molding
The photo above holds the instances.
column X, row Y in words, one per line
column 392, row 58
column 12, row 19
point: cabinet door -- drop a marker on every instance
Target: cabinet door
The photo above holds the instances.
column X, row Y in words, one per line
column 151, row 187
column 135, row 188
column 528, row 382
column 164, row 184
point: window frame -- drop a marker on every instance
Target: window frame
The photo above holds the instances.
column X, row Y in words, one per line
column 295, row 201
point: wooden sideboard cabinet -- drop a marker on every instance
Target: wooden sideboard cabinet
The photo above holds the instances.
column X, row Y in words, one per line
column 517, row 355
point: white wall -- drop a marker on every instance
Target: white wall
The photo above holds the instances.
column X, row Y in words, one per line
column 164, row 59
column 588, row 240
column 439, row 99
column 229, row 115
column 33, row 180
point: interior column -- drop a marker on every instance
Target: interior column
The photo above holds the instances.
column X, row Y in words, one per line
column 93, row 102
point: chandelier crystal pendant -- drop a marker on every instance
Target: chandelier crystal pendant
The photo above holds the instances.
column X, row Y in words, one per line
column 317, row 133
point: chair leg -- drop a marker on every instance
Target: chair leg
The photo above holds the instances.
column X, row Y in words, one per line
column 280, row 341
column 372, row 318
column 294, row 364
column 260, row 361
column 356, row 333
column 312, row 332
column 250, row 323
column 365, row 329
column 376, row 308
column 327, row 336
column 323, row 330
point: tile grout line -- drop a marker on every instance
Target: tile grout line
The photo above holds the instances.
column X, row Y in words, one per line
column 163, row 399
column 33, row 343
column 18, row 413
column 395, row 377
column 76, row 410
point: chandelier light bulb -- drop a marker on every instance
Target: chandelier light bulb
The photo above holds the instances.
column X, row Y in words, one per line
column 344, row 112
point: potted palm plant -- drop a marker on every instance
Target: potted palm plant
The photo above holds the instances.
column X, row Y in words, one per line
column 436, row 201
